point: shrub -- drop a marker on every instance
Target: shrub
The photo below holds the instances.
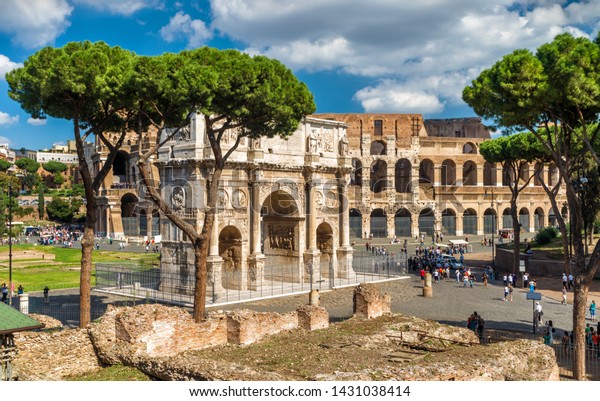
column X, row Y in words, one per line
column 545, row 235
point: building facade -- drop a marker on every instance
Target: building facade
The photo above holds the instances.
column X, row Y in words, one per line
column 413, row 176
column 281, row 207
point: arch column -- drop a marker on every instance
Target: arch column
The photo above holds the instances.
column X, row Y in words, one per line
column 344, row 251
column 437, row 175
column 256, row 260
column 312, row 255
column 214, row 264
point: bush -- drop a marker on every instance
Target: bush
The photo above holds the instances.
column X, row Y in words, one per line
column 545, row 235
column 553, row 231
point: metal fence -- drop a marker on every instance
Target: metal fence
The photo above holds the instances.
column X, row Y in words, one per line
column 564, row 358
column 152, row 283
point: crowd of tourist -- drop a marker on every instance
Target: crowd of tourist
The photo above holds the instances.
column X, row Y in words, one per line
column 61, row 235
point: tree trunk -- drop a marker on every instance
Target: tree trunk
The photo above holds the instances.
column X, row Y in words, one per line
column 517, row 235
column 85, row 277
column 202, row 245
column 200, row 257
column 580, row 295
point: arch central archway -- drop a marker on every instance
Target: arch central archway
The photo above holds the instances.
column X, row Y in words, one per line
column 281, row 233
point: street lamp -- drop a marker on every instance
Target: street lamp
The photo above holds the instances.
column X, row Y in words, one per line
column 10, row 280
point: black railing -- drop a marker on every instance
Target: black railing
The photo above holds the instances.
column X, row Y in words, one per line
column 144, row 282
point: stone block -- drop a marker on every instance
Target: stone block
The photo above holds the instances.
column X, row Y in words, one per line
column 160, row 331
column 247, row 327
column 312, row 317
column 369, row 303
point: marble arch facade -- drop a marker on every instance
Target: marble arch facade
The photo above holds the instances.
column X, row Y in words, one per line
column 278, row 194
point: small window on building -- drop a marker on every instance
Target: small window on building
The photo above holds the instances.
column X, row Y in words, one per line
column 378, row 127
column 457, row 134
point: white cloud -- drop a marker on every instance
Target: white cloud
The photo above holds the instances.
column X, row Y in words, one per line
column 123, row 7
column 6, row 119
column 182, row 27
column 390, row 96
column 34, row 23
column 319, row 55
column 420, row 52
column 6, row 65
column 36, row 121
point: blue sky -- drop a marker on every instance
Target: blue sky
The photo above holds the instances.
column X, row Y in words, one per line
column 393, row 56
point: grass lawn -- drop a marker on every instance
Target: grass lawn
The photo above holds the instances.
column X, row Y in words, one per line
column 63, row 271
column 113, row 373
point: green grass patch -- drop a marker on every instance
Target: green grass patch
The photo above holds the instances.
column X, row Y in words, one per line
column 113, row 373
column 62, row 271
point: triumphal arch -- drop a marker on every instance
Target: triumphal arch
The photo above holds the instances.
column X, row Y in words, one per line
column 282, row 208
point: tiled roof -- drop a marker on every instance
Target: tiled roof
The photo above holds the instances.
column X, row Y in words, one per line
column 11, row 320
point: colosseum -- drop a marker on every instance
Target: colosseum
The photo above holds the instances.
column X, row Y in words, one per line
column 413, row 176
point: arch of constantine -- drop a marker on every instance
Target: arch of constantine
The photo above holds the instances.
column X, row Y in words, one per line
column 282, row 208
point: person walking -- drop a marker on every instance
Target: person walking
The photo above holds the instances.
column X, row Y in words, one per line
column 484, row 279
column 46, row 295
column 564, row 295
column 480, row 328
column 571, row 281
column 593, row 310
column 457, row 272
column 510, row 292
column 538, row 313
column 525, row 280
column 4, row 290
column 505, row 293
